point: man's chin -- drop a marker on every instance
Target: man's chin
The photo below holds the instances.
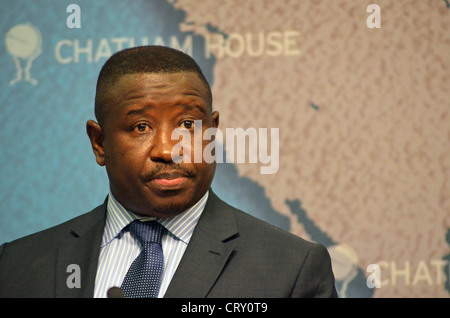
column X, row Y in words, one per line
column 164, row 209
column 169, row 210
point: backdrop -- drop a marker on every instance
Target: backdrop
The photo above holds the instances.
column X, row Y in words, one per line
column 358, row 90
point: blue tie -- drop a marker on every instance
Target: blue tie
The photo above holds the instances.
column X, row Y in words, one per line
column 143, row 278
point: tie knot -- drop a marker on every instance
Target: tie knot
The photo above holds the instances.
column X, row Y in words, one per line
column 146, row 232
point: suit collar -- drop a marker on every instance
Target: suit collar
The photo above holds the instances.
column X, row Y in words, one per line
column 211, row 246
column 216, row 221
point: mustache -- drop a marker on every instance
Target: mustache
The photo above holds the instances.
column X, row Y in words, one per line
column 168, row 170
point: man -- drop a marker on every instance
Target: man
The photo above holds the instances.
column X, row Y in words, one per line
column 205, row 248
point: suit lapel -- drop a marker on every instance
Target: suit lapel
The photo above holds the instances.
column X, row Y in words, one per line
column 210, row 248
column 78, row 254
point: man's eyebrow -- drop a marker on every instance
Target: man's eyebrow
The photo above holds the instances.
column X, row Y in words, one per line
column 187, row 107
column 138, row 111
column 194, row 107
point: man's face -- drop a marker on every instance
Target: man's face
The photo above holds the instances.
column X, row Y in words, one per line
column 135, row 142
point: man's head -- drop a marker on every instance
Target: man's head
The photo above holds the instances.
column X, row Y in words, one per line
column 144, row 94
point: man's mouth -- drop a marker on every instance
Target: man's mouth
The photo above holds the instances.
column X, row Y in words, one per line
column 169, row 179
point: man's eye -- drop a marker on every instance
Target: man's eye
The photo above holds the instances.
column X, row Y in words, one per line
column 142, row 127
column 188, row 124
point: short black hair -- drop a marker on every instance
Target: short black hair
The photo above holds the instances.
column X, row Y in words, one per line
column 143, row 59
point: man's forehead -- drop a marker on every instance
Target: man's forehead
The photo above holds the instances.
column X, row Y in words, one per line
column 143, row 79
column 145, row 88
column 169, row 83
column 136, row 85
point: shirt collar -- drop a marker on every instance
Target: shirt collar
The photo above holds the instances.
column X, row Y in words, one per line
column 181, row 226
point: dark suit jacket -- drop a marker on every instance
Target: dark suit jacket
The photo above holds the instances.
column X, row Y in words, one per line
column 231, row 254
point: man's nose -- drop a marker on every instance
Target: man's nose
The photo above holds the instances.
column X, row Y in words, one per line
column 162, row 145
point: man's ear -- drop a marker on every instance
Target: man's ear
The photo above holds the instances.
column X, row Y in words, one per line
column 215, row 119
column 95, row 133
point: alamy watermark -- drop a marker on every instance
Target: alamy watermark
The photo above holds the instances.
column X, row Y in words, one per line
column 238, row 150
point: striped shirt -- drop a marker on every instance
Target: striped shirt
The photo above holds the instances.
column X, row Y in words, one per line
column 119, row 249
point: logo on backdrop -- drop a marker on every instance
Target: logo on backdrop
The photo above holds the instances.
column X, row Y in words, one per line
column 24, row 43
